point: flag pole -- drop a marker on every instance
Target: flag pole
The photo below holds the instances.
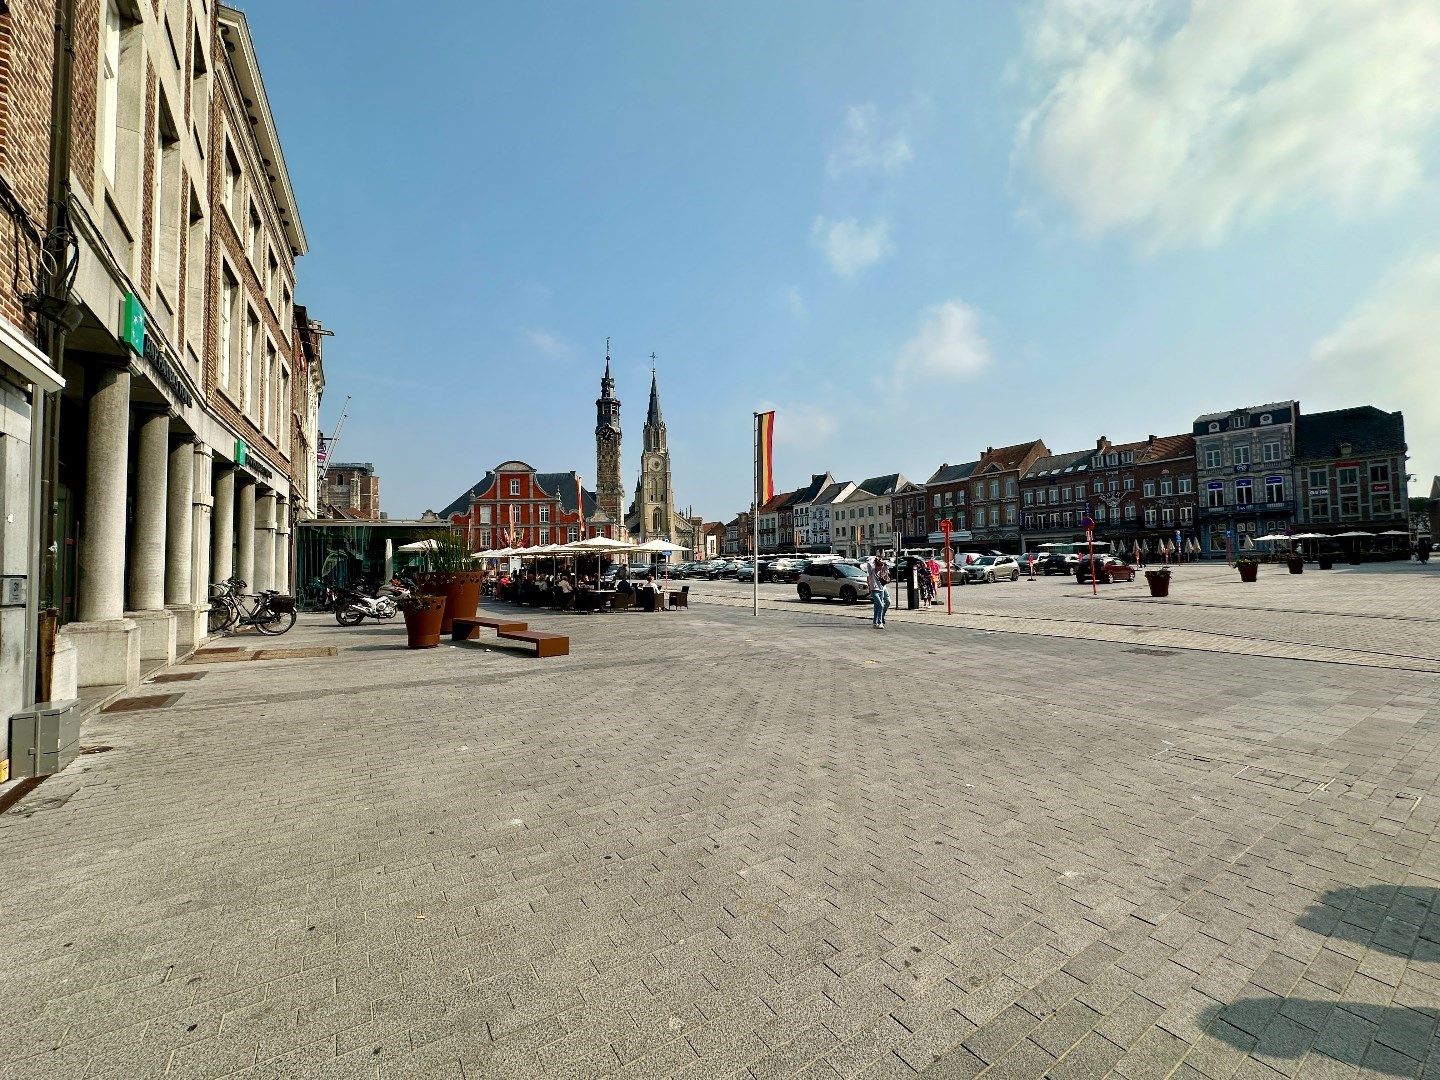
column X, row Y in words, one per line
column 755, row 518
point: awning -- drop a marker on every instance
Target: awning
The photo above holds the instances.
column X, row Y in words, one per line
column 33, row 365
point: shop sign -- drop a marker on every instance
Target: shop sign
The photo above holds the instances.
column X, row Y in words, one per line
column 135, row 335
column 132, row 324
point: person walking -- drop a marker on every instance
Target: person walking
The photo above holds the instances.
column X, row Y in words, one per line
column 934, row 567
column 876, row 578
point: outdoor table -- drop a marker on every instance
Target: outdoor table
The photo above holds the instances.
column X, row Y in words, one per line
column 603, row 597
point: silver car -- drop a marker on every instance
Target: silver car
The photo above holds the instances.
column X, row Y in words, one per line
column 832, row 580
column 993, row 568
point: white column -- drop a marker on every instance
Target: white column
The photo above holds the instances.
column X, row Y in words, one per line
column 222, row 526
column 106, row 644
column 245, row 530
column 180, row 524
column 265, row 540
column 202, row 519
column 101, row 555
column 148, row 537
column 282, row 545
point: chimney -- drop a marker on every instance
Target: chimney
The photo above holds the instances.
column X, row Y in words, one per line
column 1100, row 443
column 1152, row 440
column 989, row 449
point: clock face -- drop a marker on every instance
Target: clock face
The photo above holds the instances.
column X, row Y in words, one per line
column 654, row 466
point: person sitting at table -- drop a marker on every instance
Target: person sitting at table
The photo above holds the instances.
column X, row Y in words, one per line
column 564, row 587
column 623, row 586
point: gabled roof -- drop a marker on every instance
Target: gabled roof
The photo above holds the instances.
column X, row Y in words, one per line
column 1058, row 465
column 776, row 501
column 1166, row 447
column 877, row 486
column 560, row 485
column 949, row 474
column 833, row 491
column 1435, row 489
column 1007, row 457
column 807, row 494
column 1367, row 429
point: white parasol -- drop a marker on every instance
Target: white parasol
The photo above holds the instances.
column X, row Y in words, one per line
column 420, row 545
column 598, row 545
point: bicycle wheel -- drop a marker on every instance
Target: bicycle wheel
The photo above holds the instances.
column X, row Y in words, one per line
column 220, row 617
column 274, row 623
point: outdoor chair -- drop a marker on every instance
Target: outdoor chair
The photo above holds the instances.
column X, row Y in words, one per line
column 564, row 601
column 680, row 599
column 624, row 601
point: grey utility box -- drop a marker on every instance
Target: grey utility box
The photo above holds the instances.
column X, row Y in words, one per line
column 44, row 738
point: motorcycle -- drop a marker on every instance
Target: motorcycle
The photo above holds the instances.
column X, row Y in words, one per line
column 354, row 606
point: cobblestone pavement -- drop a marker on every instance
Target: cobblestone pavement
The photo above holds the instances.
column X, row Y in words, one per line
column 707, row 844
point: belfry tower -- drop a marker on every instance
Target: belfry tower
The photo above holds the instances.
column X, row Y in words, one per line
column 609, row 492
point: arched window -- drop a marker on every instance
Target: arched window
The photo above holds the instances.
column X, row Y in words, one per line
column 655, row 519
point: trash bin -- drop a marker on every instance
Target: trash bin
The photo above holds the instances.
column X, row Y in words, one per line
column 912, row 585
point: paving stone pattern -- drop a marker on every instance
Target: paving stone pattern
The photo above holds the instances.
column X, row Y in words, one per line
column 706, row 844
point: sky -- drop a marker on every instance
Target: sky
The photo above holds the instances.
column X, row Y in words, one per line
column 914, row 230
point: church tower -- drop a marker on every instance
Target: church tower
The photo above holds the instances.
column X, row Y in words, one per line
column 654, row 500
column 609, row 491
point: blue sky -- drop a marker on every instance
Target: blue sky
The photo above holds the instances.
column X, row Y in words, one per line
column 914, row 229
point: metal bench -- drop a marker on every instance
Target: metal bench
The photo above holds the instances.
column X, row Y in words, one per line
column 545, row 644
column 469, row 629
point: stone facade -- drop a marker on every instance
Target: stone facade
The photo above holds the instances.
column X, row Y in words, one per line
column 610, row 492
column 1245, row 473
column 352, row 489
column 1350, row 471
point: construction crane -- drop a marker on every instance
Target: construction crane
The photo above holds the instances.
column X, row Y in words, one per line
column 335, row 438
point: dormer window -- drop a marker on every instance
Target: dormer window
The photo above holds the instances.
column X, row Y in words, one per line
column 1240, row 420
column 1214, row 426
column 1266, row 418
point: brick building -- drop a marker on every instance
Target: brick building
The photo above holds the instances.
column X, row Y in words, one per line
column 948, row 494
column 1055, row 492
column 995, row 494
column 514, row 506
column 1350, row 470
column 910, row 520
column 352, row 489
column 176, row 436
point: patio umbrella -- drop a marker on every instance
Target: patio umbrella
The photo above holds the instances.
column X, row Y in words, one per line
column 1194, row 546
column 660, row 546
column 420, row 545
column 1355, row 532
column 598, row 545
column 1249, row 544
column 1394, row 532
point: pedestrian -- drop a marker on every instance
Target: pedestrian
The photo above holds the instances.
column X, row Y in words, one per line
column 934, row 568
column 877, row 576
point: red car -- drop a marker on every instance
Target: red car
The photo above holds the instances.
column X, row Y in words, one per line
column 1108, row 569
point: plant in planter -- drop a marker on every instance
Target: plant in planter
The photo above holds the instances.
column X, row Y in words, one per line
column 423, row 614
column 1249, row 567
column 448, row 574
column 1159, row 581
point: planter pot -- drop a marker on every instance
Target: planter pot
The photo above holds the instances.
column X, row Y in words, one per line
column 1159, row 582
column 1354, row 560
column 1296, row 566
column 422, row 623
column 460, row 590
column 1324, row 562
column 1248, row 571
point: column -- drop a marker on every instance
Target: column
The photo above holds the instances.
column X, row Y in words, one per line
column 103, row 642
column 282, row 545
column 202, row 518
column 148, row 536
column 245, row 530
column 265, row 540
column 222, row 525
column 179, row 524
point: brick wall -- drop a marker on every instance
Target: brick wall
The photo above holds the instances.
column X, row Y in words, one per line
column 26, row 60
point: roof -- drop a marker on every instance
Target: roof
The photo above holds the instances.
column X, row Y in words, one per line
column 776, row 501
column 1007, row 457
column 949, row 474
column 1274, row 406
column 1166, row 447
column 351, row 466
column 652, row 417
column 887, row 484
column 560, row 485
column 1367, row 429
column 1060, row 465
column 833, row 491
column 806, row 495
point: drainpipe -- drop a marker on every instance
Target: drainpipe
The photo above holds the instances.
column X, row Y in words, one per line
column 57, row 241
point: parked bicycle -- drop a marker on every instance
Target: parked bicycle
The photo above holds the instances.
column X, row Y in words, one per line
column 231, row 609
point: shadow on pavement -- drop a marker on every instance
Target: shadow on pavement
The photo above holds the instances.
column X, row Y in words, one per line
column 1392, row 1040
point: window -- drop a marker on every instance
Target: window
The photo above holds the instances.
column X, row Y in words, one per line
column 230, row 185
column 1167, row 486
column 936, row 503
column 1054, row 495
column 949, row 498
column 228, row 289
column 1349, row 506
column 1212, row 458
column 514, row 487
column 1129, row 483
column 1186, row 485
column 1215, row 496
column 1271, row 451
column 1127, row 457
column 960, row 496
column 1029, row 498
column 484, row 515
column 1379, row 473
column 1065, row 495
column 1010, row 488
column 1150, row 517
column 1348, row 476
column 1129, row 511
column 1099, row 513
column 1274, row 489
column 1266, row 418
column 1380, row 506
column 994, row 489
column 1214, row 427
column 252, row 233
column 1244, row 494
column 960, row 519
column 1115, row 485
column 1010, row 515
column 1240, row 455
column 574, row 533
column 1069, row 517
column 1240, row 420
column 110, row 91
column 544, row 536
column 247, row 362
column 1319, row 478
column 1187, row 514
column 1167, row 516
column 1112, row 459
column 544, row 515
column 1149, row 489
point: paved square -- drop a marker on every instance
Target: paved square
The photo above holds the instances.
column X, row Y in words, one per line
column 1047, row 835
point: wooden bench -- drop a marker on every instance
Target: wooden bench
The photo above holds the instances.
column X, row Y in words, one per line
column 545, row 644
column 468, row 629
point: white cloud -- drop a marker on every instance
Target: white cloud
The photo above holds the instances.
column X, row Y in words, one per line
column 948, row 345
column 547, row 344
column 1180, row 120
column 870, row 143
column 849, row 246
column 1386, row 353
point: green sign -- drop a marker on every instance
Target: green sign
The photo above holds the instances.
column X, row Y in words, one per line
column 132, row 324
column 242, row 452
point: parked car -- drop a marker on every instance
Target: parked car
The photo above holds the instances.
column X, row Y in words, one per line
column 832, row 580
column 711, row 569
column 730, row 567
column 993, row 568
column 746, row 572
column 1107, row 568
column 1057, row 563
column 787, row 570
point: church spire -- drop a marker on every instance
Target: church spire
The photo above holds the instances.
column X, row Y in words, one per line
column 653, row 416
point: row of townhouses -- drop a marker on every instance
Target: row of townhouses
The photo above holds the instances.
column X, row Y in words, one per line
column 160, row 383
column 1236, row 474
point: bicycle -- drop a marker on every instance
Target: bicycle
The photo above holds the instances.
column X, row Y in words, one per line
column 273, row 612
